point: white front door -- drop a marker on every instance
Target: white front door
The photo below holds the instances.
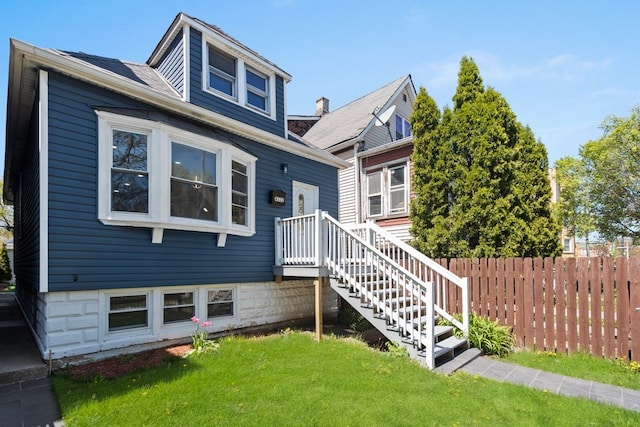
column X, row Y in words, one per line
column 304, row 198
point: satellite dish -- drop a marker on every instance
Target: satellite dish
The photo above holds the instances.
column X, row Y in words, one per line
column 383, row 118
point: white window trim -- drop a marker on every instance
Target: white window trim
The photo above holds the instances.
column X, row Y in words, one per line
column 204, row 309
column 381, row 174
column 386, row 188
column 159, row 169
column 196, row 295
column 242, row 63
column 125, row 332
column 402, row 130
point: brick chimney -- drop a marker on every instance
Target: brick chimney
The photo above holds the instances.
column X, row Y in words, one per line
column 322, row 106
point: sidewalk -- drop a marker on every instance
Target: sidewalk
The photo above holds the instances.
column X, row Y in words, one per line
column 26, row 392
column 559, row 384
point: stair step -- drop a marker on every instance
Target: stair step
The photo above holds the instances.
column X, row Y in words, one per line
column 448, row 345
column 461, row 359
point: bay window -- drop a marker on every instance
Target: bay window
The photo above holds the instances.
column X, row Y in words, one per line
column 158, row 176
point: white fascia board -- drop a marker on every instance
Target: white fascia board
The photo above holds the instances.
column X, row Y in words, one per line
column 77, row 69
column 208, row 32
column 386, row 147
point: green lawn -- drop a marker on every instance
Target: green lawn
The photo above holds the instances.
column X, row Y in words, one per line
column 290, row 380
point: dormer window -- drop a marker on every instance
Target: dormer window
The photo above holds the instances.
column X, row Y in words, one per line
column 257, row 90
column 222, row 72
column 239, row 79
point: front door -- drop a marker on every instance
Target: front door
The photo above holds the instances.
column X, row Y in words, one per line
column 305, row 198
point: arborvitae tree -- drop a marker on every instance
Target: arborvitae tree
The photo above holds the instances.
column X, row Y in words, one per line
column 488, row 196
column 428, row 179
column 5, row 266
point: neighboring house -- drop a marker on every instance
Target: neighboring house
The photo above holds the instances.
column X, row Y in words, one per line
column 377, row 184
column 143, row 192
column 567, row 237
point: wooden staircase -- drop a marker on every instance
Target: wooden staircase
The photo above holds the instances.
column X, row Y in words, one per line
column 401, row 292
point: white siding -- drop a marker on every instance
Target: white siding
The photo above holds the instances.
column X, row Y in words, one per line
column 347, row 194
column 76, row 323
column 400, row 231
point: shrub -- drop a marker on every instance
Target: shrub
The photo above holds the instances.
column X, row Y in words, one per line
column 489, row 336
column 5, row 267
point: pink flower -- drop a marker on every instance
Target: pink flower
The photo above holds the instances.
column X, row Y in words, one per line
column 194, row 319
column 206, row 324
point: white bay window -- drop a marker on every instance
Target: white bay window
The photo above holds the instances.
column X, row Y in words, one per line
column 158, row 176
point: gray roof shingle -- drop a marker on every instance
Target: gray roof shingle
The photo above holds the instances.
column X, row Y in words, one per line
column 140, row 73
column 351, row 120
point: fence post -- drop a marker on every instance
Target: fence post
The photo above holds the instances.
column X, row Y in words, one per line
column 465, row 306
column 278, row 237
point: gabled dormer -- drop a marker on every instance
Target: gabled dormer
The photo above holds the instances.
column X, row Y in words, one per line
column 209, row 68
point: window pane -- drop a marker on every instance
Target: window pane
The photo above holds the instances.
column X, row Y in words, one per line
column 239, row 167
column 127, row 302
column 239, row 199
column 239, row 182
column 257, row 81
column 220, row 295
column 407, row 128
column 399, row 127
column 375, row 205
column 222, row 62
column 396, row 176
column 374, row 184
column 129, row 150
column 128, row 319
column 178, row 314
column 397, row 200
column 129, row 192
column 181, row 298
column 193, row 164
column 221, row 84
column 257, row 101
column 220, row 309
column 197, row 201
column 239, row 215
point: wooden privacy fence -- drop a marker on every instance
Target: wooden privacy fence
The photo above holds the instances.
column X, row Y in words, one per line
column 557, row 304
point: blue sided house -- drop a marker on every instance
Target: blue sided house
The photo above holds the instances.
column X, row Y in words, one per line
column 148, row 193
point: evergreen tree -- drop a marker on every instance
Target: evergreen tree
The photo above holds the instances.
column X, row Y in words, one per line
column 488, row 194
column 5, row 266
column 429, row 209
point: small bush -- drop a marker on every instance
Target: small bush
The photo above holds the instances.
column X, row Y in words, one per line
column 5, row 267
column 348, row 316
column 489, row 336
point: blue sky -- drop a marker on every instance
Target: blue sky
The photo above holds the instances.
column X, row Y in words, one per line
column 563, row 66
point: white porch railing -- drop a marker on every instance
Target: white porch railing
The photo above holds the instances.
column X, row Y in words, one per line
column 425, row 268
column 391, row 277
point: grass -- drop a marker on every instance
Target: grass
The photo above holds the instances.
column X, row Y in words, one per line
column 581, row 365
column 291, row 380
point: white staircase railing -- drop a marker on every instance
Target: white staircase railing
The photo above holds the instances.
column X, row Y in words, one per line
column 444, row 281
column 389, row 277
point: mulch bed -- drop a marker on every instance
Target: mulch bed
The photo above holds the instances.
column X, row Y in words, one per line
column 121, row 365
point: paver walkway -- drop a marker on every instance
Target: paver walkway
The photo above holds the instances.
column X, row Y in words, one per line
column 26, row 392
column 560, row 384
